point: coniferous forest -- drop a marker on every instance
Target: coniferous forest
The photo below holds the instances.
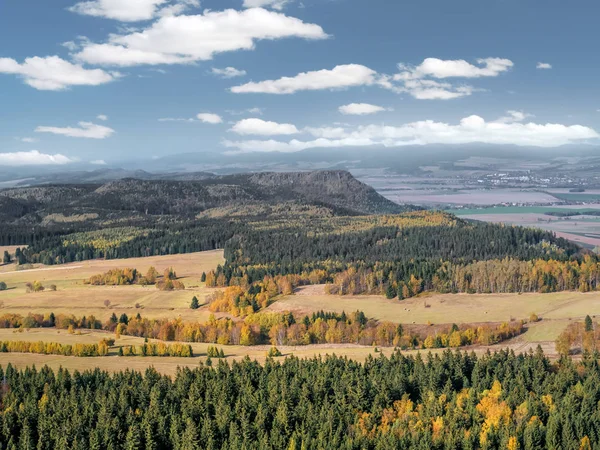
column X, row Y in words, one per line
column 275, row 240
column 451, row 401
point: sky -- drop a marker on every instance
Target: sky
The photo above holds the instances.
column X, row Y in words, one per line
column 105, row 81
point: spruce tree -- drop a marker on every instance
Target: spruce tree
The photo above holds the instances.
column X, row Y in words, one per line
column 589, row 325
column 195, row 303
column 390, row 292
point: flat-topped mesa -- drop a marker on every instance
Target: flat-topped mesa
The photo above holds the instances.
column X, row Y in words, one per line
column 335, row 190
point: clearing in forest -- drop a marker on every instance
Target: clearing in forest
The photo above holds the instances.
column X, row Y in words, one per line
column 74, row 297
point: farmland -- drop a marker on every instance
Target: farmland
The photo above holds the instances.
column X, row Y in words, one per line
column 170, row 365
column 73, row 297
column 449, row 308
column 581, row 229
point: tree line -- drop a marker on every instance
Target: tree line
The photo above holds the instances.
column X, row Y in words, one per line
column 275, row 329
column 54, row 348
column 453, row 400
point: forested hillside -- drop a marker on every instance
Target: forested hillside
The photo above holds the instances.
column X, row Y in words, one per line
column 314, row 226
column 449, row 401
column 337, row 190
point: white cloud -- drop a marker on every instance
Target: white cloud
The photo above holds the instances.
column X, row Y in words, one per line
column 439, row 68
column 434, row 90
column 29, row 140
column 361, row 109
column 70, row 45
column 102, row 117
column 189, row 38
column 417, row 81
column 54, row 74
column 228, row 72
column 542, row 65
column 514, row 116
column 32, row 158
column 209, row 118
column 98, row 162
column 131, row 10
column 85, row 130
column 275, row 4
column 412, row 80
column 263, row 128
column 339, row 77
column 472, row 129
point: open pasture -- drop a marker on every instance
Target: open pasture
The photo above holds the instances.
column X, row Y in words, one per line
column 448, row 308
column 170, row 365
column 74, row 297
column 166, row 365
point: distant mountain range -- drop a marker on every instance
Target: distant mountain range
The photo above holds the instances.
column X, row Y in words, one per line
column 408, row 160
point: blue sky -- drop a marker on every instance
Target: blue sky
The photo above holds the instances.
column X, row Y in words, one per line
column 114, row 80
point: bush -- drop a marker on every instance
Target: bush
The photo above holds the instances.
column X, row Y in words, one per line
column 36, row 286
column 273, row 352
column 214, row 352
column 534, row 318
column 3, row 286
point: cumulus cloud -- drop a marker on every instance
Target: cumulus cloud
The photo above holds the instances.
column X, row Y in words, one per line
column 85, row 130
column 52, row 73
column 275, row 4
column 132, row 10
column 29, row 140
column 263, row 128
column 209, row 118
column 102, row 117
column 472, row 129
column 542, row 66
column 32, row 158
column 340, row 77
column 228, row 72
column 361, row 109
column 189, row 38
column 439, row 68
column 417, row 80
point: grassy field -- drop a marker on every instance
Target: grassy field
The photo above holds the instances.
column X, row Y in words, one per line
column 73, row 297
column 166, row 365
column 545, row 331
column 450, row 308
column 170, row 365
